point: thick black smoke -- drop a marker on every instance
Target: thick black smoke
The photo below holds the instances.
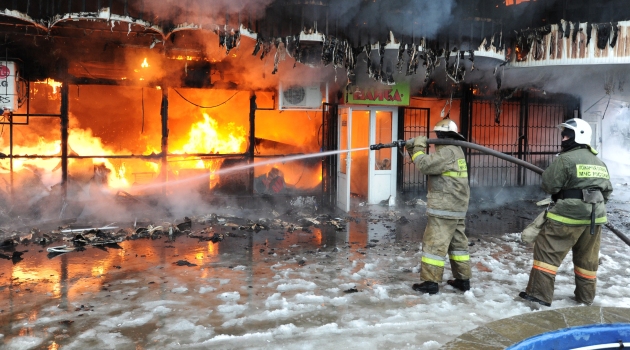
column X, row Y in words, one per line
column 418, row 18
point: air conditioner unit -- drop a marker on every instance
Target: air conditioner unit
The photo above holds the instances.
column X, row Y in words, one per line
column 8, row 93
column 295, row 96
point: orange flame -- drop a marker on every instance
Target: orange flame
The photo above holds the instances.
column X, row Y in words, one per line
column 208, row 137
column 204, row 137
column 145, row 64
column 52, row 83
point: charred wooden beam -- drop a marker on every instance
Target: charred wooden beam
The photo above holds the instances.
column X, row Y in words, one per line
column 252, row 139
column 107, row 156
column 64, row 136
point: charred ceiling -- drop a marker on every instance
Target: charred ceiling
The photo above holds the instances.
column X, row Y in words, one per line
column 93, row 36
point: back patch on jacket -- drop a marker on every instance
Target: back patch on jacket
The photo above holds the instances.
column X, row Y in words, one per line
column 592, row 171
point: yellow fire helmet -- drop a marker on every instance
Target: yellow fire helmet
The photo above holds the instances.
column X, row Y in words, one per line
column 445, row 125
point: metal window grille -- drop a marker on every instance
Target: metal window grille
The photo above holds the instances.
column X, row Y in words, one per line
column 415, row 122
column 543, row 138
column 525, row 129
column 486, row 170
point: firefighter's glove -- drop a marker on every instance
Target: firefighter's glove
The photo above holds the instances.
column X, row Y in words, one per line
column 419, row 146
column 409, row 146
column 420, row 141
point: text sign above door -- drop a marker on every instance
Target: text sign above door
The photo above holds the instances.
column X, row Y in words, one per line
column 392, row 95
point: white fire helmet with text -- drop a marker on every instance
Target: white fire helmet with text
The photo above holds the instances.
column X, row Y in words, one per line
column 582, row 129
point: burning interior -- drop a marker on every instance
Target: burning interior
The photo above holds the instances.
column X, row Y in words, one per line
column 130, row 99
column 144, row 112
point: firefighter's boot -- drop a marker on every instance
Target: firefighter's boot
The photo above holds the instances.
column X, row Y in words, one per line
column 533, row 299
column 462, row 285
column 426, row 287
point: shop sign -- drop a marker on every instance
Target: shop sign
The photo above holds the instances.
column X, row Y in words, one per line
column 387, row 95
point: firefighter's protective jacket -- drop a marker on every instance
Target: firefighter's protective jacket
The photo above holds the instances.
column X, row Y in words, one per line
column 579, row 169
column 448, row 190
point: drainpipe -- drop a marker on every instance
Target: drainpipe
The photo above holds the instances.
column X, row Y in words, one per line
column 164, row 153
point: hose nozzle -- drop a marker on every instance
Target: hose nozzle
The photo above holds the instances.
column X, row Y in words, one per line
column 399, row 143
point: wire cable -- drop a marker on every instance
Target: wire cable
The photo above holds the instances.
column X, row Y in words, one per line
column 195, row 104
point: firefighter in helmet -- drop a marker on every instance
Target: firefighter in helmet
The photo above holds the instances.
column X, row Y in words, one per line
column 579, row 184
column 447, row 203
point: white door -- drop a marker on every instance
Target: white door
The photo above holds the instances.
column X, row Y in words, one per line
column 344, row 160
column 366, row 176
column 383, row 162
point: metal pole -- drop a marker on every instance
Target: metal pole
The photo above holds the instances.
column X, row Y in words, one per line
column 164, row 115
column 64, row 136
column 522, row 130
column 526, row 136
column 11, row 152
column 252, row 139
column 465, row 116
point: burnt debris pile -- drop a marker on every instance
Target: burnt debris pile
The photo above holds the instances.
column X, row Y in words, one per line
column 72, row 237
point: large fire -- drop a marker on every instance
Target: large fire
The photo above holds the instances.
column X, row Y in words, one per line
column 206, row 136
column 81, row 143
column 102, row 132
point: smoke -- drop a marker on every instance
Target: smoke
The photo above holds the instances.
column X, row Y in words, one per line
column 203, row 11
column 240, row 68
column 616, row 139
column 419, row 18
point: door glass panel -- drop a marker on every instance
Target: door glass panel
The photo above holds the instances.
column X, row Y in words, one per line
column 343, row 139
column 383, row 135
column 359, row 166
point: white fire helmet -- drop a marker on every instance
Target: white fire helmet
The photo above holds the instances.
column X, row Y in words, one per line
column 445, row 125
column 581, row 128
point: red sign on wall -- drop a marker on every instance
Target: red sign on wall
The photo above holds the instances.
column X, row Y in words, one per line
column 4, row 72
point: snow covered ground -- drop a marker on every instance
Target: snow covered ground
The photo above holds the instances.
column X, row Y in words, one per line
column 275, row 289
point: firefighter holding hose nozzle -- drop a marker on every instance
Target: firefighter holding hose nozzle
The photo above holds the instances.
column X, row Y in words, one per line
column 447, row 204
column 580, row 185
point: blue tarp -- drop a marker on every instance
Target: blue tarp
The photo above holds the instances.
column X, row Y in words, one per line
column 576, row 337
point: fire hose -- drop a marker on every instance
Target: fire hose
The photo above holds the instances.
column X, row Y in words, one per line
column 532, row 167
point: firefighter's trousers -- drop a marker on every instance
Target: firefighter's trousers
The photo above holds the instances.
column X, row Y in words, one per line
column 442, row 236
column 551, row 246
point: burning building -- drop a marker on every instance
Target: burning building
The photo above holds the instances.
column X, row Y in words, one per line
column 133, row 99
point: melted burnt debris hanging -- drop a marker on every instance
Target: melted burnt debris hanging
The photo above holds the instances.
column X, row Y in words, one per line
column 455, row 71
column 323, row 50
column 532, row 39
column 603, row 35
column 499, row 97
column 228, row 39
